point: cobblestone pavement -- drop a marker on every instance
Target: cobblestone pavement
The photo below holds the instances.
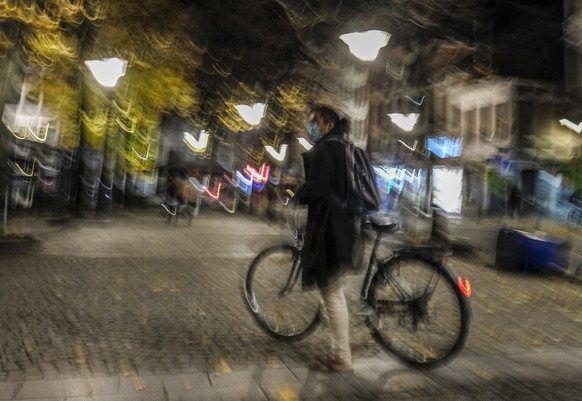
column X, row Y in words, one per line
column 137, row 309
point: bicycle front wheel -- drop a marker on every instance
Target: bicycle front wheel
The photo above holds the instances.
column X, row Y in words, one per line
column 421, row 315
column 275, row 298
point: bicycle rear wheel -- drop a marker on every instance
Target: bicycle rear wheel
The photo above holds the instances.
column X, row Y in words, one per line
column 275, row 298
column 421, row 316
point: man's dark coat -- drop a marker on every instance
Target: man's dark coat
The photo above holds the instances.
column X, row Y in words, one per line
column 329, row 233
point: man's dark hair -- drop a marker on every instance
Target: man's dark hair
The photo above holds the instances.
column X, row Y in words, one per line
column 329, row 116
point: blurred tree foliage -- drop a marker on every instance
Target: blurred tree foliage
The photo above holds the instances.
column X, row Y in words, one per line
column 199, row 59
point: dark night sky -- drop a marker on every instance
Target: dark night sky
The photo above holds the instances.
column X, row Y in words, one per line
column 527, row 38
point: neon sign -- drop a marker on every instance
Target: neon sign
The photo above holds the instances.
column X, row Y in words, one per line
column 243, row 183
column 443, row 146
column 396, row 176
column 258, row 177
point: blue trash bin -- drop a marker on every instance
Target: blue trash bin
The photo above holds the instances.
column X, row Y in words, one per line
column 522, row 251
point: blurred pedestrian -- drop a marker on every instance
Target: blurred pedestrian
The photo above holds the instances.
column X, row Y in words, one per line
column 329, row 233
column 512, row 200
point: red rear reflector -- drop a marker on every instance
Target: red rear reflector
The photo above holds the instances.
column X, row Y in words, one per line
column 464, row 286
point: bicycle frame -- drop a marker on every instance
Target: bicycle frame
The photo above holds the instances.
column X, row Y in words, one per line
column 371, row 263
column 427, row 253
column 402, row 293
column 294, row 276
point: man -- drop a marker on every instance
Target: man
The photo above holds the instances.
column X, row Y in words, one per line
column 329, row 233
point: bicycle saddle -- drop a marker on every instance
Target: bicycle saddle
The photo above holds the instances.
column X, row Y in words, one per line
column 382, row 222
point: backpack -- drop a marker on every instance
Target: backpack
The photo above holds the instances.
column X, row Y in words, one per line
column 364, row 195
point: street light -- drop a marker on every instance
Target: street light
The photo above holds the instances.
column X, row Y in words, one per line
column 107, row 72
column 366, row 45
column 405, row 121
column 251, row 114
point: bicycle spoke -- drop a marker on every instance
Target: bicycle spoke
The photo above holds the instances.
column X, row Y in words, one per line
column 430, row 288
column 275, row 297
column 420, row 316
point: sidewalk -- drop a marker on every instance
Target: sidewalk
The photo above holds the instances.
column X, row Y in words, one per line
column 549, row 375
column 475, row 235
column 85, row 312
column 480, row 236
column 18, row 234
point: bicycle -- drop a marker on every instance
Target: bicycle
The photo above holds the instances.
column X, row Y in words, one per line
column 417, row 311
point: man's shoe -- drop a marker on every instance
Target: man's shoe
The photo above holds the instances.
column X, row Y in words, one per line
column 334, row 365
column 340, row 366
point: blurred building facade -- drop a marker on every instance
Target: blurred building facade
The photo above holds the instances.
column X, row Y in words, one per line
column 483, row 129
column 499, row 141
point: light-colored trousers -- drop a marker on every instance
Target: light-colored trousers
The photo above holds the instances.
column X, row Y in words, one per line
column 336, row 307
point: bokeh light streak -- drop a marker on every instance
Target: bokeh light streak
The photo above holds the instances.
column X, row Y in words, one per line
column 216, row 193
column 38, row 137
column 24, row 173
column 147, row 155
column 277, row 155
column 129, row 129
column 244, row 184
column 577, row 128
column 47, row 183
column 413, row 147
column 258, row 176
column 26, row 133
column 305, row 143
column 196, row 145
column 200, row 187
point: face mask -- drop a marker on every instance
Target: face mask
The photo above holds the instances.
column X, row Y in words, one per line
column 314, row 132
